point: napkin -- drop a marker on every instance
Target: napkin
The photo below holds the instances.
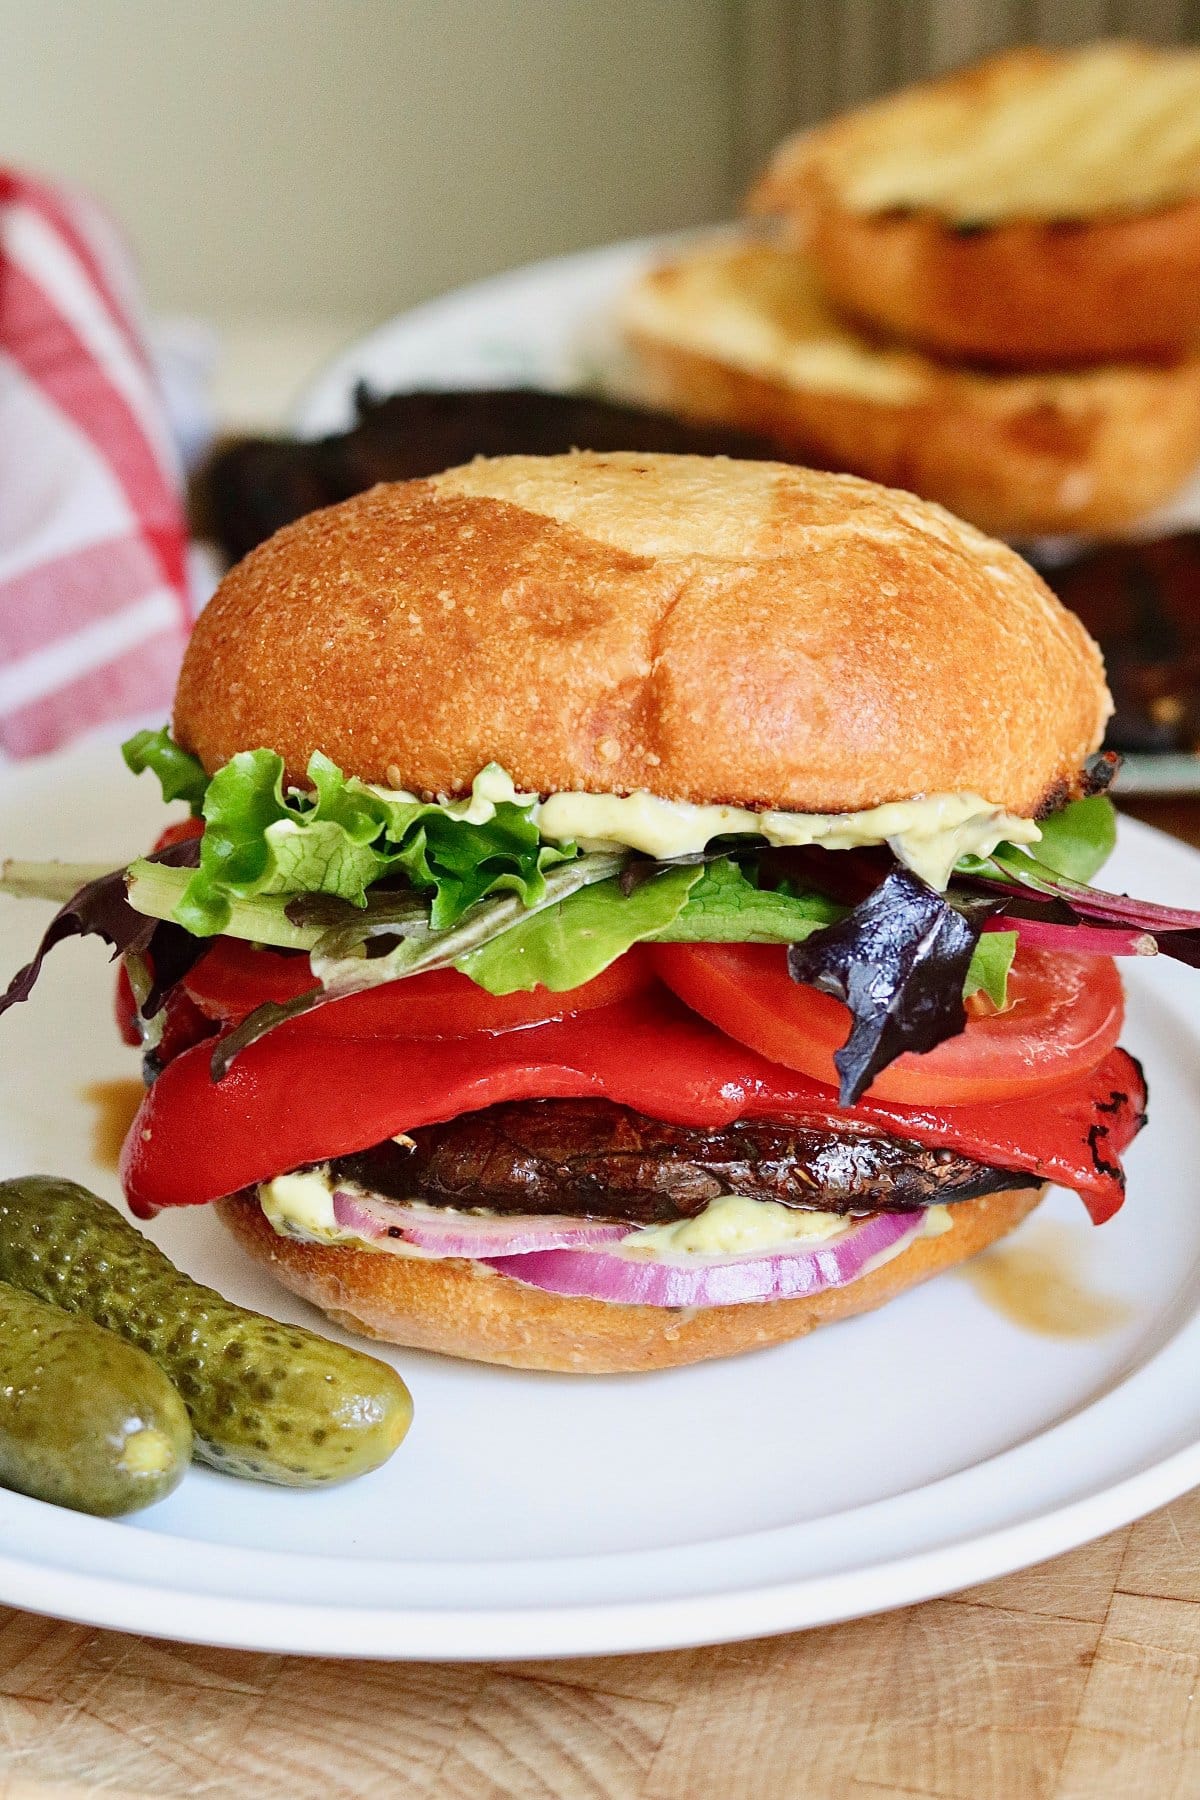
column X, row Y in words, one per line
column 93, row 540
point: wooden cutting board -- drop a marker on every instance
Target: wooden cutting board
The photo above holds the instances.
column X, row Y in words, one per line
column 1072, row 1681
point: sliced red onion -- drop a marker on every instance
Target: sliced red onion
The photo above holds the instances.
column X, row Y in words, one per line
column 463, row 1234
column 712, row 1281
column 1082, row 940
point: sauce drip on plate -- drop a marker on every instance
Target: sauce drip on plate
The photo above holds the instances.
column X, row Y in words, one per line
column 114, row 1103
column 1035, row 1283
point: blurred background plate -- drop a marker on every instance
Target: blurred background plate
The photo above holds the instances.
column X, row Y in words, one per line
column 543, row 326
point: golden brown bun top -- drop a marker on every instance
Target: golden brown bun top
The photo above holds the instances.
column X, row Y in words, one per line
column 710, row 630
column 1033, row 134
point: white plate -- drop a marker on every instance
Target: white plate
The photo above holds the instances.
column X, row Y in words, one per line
column 549, row 325
column 882, row 1461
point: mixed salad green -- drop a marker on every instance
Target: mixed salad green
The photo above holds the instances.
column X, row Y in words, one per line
column 376, row 885
column 452, row 871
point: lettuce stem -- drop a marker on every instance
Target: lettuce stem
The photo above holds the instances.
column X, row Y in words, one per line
column 156, row 890
column 58, row 881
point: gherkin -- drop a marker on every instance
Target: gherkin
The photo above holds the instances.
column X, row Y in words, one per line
column 269, row 1401
column 86, row 1420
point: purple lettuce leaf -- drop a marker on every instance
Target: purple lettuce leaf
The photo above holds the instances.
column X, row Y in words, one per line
column 101, row 909
column 1175, row 930
column 899, row 962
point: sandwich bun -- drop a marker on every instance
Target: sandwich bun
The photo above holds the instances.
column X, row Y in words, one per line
column 713, row 631
column 1022, row 294
column 743, row 333
column 459, row 1308
column 1039, row 208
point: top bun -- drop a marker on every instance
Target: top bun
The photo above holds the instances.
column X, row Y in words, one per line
column 714, row 631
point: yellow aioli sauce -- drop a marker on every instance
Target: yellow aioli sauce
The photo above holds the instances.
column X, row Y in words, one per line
column 301, row 1206
column 732, row 1225
column 928, row 833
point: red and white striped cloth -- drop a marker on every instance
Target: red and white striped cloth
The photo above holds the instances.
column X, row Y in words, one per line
column 93, row 541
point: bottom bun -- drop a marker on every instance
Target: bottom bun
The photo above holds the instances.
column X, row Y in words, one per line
column 459, row 1308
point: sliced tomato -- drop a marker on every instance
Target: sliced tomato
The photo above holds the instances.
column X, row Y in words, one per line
column 291, row 1100
column 179, row 833
column 125, row 1009
column 1064, row 1017
column 183, row 1024
column 232, row 978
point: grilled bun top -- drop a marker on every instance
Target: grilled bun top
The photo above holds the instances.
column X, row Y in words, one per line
column 750, row 633
column 1030, row 134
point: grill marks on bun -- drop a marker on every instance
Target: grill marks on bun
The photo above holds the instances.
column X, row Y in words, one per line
column 1031, row 133
column 711, row 630
column 1039, row 209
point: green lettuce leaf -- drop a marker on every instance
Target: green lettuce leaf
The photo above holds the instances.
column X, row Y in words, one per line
column 1079, row 840
column 725, row 907
column 158, row 892
column 180, row 775
column 575, row 939
column 570, row 943
column 560, row 947
column 56, row 881
column 464, row 863
column 990, row 963
column 341, row 957
column 1075, row 843
column 346, row 962
column 343, row 836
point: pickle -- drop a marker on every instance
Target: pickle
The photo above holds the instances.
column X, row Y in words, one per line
column 268, row 1401
column 86, row 1420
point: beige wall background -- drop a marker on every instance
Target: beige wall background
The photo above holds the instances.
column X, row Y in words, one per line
column 347, row 157
column 341, row 159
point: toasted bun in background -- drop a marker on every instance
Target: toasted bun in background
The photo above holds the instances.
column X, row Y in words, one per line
column 1040, row 208
column 1024, row 294
column 461, row 1309
column 709, row 630
column 743, row 333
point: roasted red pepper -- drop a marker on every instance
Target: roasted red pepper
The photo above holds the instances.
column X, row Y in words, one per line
column 296, row 1098
column 233, row 978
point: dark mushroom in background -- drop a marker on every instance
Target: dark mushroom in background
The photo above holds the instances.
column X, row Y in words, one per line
column 253, row 486
column 1142, row 602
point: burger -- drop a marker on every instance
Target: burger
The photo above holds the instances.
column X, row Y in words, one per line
column 744, row 334
column 634, row 909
